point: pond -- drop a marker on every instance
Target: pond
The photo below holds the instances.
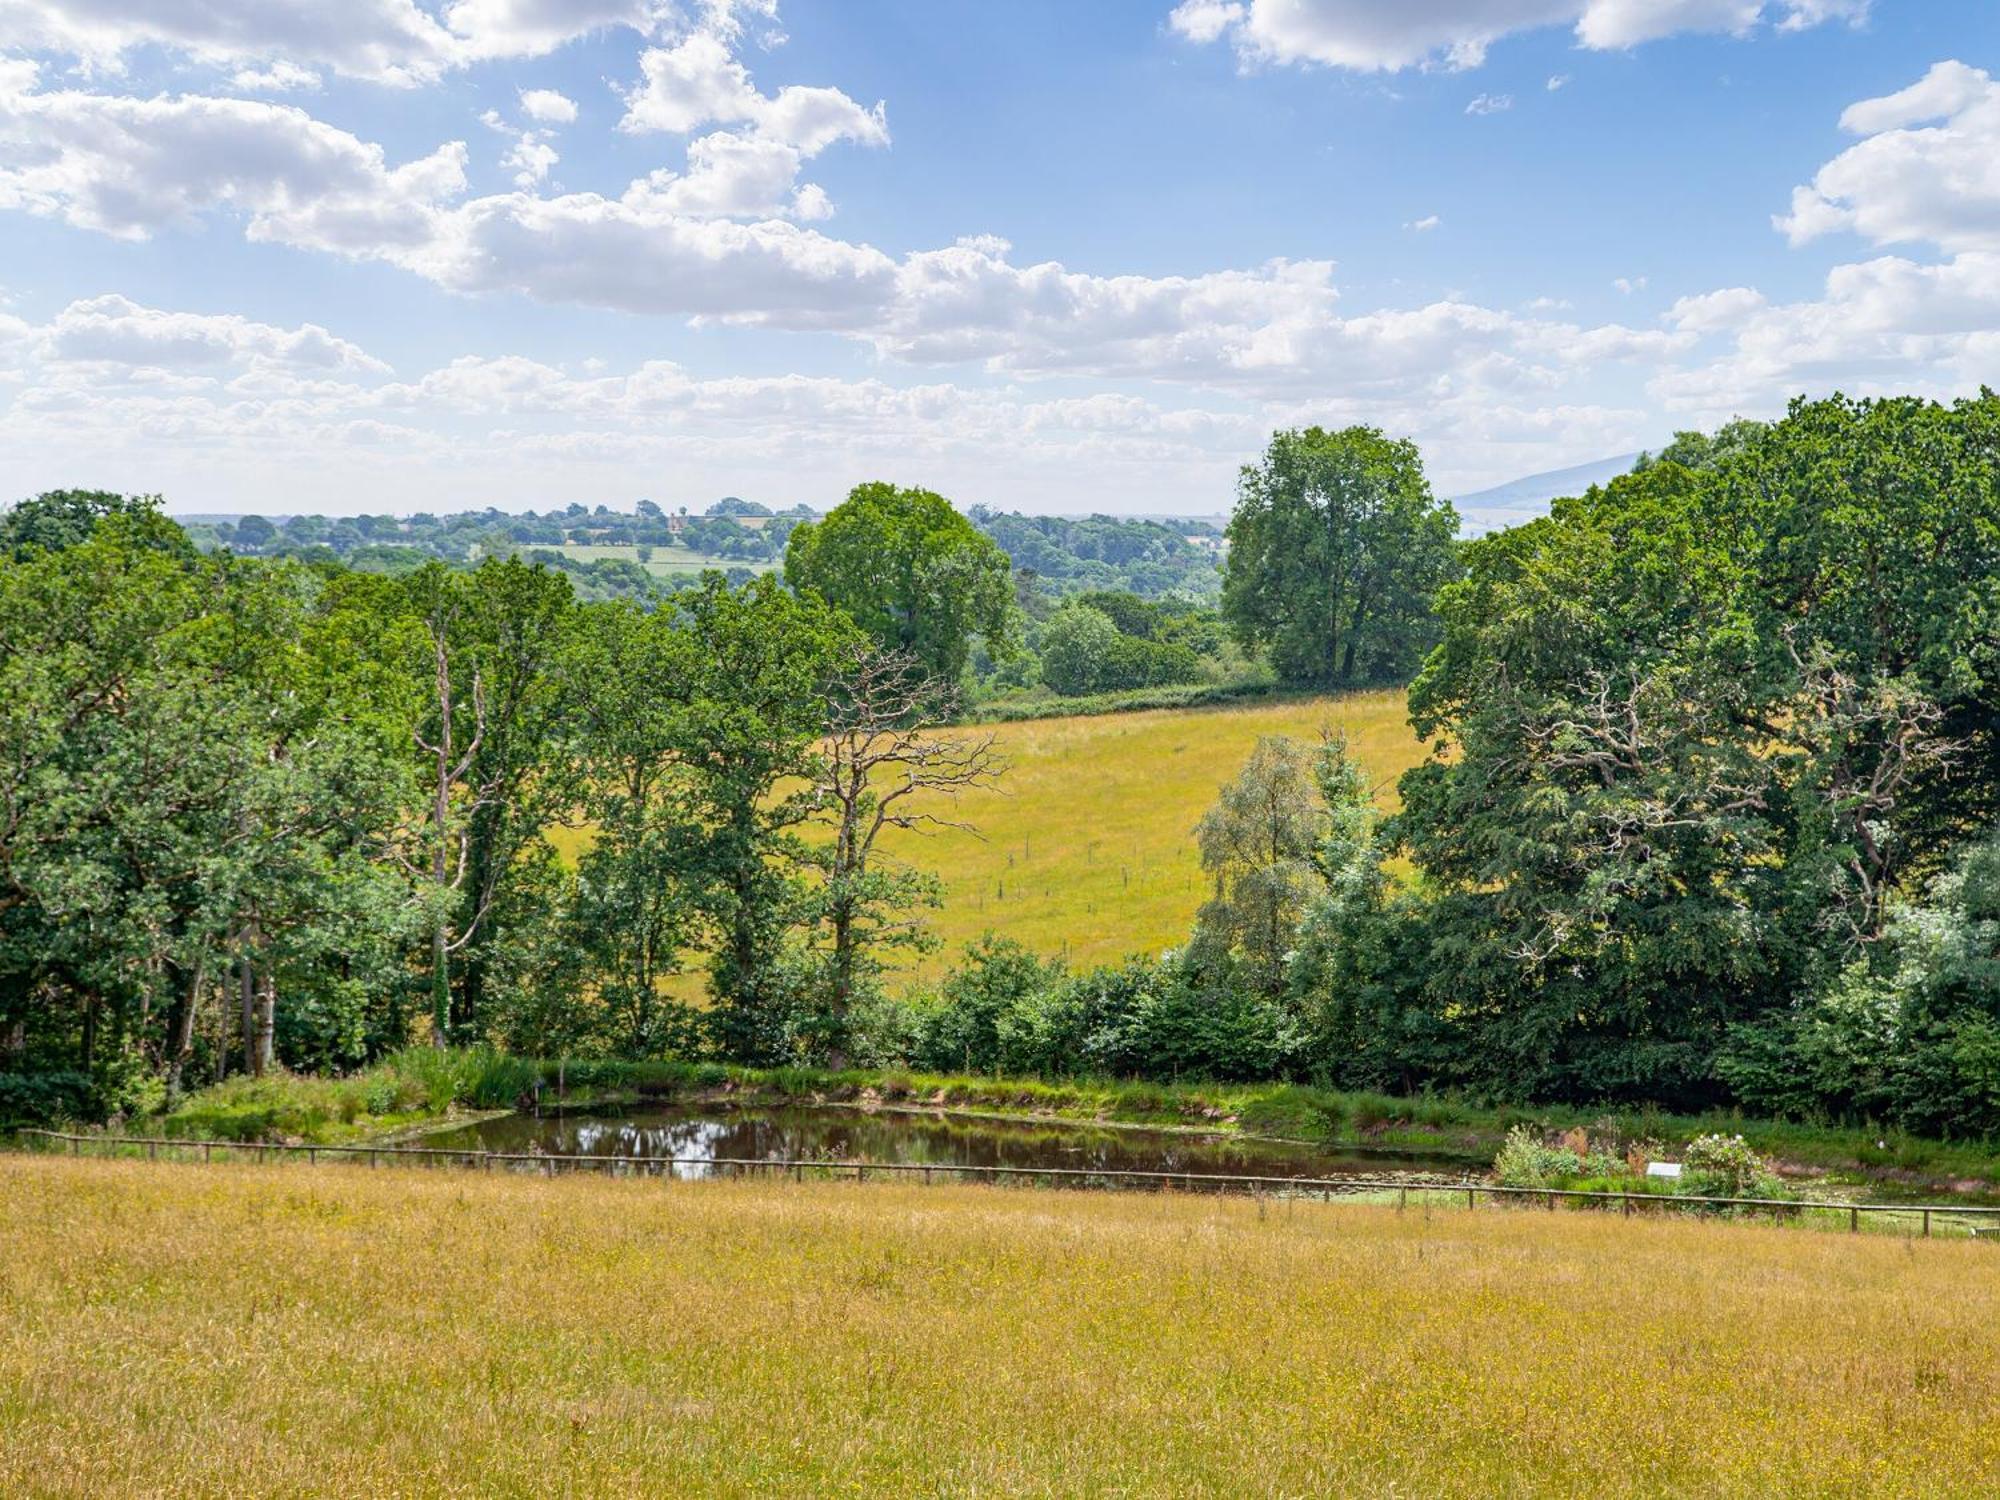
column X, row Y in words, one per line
column 703, row 1135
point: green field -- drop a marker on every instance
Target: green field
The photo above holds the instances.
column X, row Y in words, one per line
column 667, row 562
column 299, row 1331
column 1087, row 846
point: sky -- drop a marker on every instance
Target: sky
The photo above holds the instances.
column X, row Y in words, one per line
column 397, row 255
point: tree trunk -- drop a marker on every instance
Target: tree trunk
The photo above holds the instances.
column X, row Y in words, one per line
column 267, row 1022
column 180, row 1028
column 247, row 999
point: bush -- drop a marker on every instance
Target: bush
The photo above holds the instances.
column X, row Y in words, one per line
column 62, row 1097
column 1724, row 1166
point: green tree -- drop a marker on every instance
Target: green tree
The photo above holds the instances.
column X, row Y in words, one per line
column 1077, row 648
column 910, row 570
column 1261, row 845
column 763, row 660
column 1337, row 547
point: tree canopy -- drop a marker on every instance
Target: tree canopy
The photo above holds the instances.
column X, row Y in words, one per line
column 1336, row 548
column 910, row 570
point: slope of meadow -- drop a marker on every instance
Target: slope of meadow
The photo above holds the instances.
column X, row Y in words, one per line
column 1087, row 847
column 248, row 1330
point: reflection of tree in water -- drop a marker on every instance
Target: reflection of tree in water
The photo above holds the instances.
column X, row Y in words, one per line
column 908, row 1138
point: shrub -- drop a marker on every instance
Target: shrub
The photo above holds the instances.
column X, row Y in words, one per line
column 55, row 1098
column 1724, row 1166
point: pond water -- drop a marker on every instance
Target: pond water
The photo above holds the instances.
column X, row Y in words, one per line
column 707, row 1134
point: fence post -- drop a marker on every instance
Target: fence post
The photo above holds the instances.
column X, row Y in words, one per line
column 75, row 1146
column 1854, row 1221
column 1927, row 1223
column 861, row 1171
column 312, row 1156
column 1402, row 1199
column 1469, row 1198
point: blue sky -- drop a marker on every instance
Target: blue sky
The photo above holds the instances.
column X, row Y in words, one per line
column 404, row 254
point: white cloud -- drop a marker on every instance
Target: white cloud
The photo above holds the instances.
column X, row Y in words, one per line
column 130, row 167
column 547, row 107
column 280, row 78
column 1490, row 104
column 114, row 330
column 1556, row 81
column 699, row 82
column 1369, row 35
column 391, row 41
column 1928, row 170
column 1424, row 225
column 386, row 41
column 1629, row 284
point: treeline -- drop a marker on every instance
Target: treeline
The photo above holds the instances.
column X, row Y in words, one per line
column 257, row 811
column 1709, row 816
column 397, row 543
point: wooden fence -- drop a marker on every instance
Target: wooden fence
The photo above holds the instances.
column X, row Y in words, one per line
column 1984, row 1220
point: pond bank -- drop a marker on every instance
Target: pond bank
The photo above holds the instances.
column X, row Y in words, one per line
column 423, row 1091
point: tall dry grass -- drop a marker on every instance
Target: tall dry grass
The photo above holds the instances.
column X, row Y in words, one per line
column 181, row 1330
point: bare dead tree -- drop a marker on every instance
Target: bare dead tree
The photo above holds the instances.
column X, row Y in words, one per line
column 444, row 835
column 885, row 763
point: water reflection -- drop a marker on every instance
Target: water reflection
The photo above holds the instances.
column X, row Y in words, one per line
column 700, row 1137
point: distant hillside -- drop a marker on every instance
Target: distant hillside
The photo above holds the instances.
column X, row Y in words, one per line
column 1525, row 498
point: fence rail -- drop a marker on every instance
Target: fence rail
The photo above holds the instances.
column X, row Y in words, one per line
column 550, row 1163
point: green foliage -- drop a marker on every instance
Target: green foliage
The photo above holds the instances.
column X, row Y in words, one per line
column 1725, row 1166
column 57, row 1097
column 912, row 572
column 1336, row 548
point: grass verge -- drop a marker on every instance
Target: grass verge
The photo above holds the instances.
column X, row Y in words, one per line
column 244, row 1330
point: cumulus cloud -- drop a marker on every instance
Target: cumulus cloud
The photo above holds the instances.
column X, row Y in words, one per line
column 130, row 167
column 1928, row 168
column 547, row 107
column 1490, row 104
column 1368, row 35
column 115, row 330
column 711, row 242
column 385, row 41
column 1424, row 225
column 699, row 82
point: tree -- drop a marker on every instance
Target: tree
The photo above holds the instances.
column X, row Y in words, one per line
column 1260, row 844
column 876, row 757
column 634, row 904
column 1077, row 647
column 255, row 533
column 911, row 571
column 56, row 519
column 1336, row 548
column 763, row 663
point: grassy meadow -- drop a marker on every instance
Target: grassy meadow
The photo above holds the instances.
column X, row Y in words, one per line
column 1087, row 846
column 236, row 1330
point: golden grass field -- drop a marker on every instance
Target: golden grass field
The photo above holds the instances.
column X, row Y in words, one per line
column 295, row 1331
column 1087, row 847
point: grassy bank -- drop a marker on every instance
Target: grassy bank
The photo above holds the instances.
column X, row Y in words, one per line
column 241, row 1330
column 420, row 1086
